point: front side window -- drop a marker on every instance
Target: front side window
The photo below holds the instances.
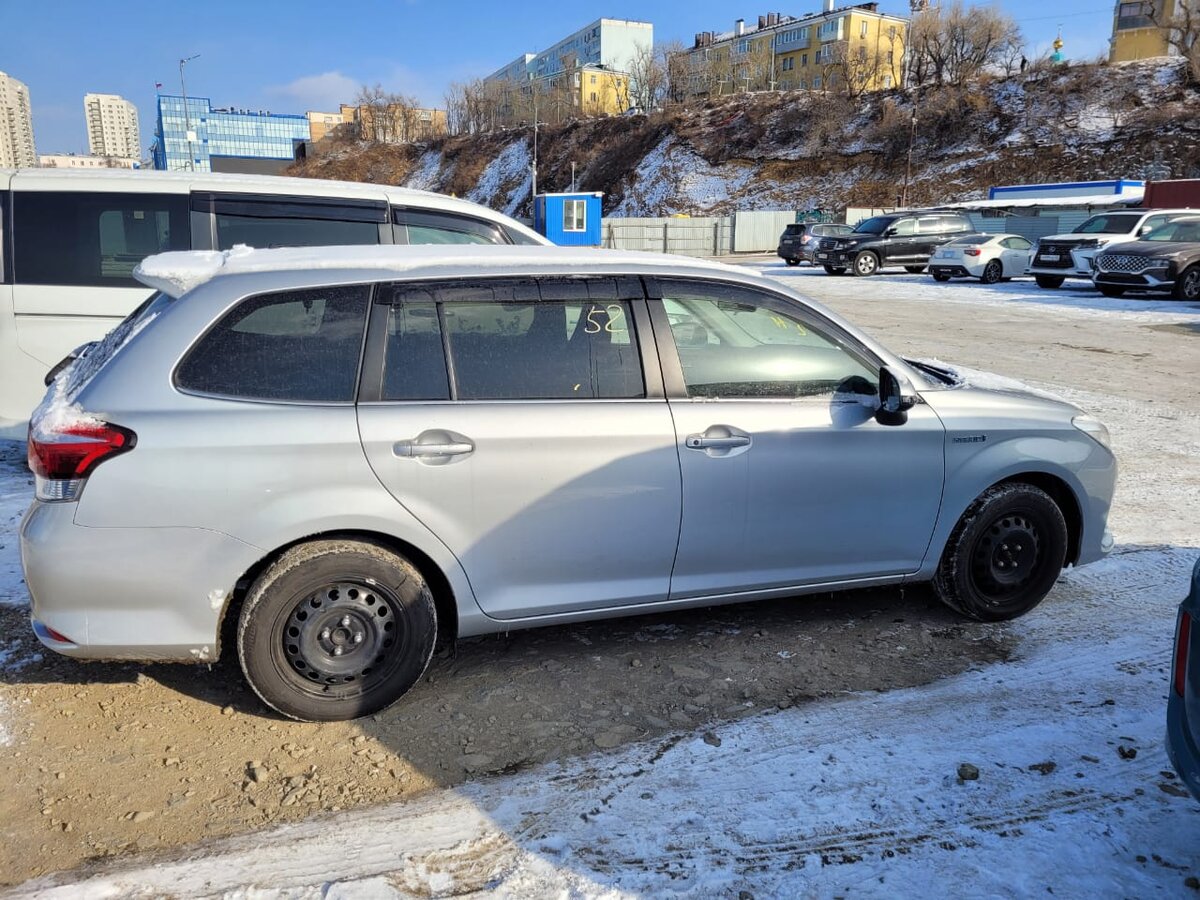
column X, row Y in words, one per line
column 93, row 239
column 574, row 215
column 1179, row 230
column 904, row 227
column 290, row 222
column 296, row 346
column 732, row 345
column 419, row 227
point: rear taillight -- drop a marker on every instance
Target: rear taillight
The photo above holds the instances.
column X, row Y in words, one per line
column 805, row 238
column 1181, row 651
column 972, row 251
column 61, row 457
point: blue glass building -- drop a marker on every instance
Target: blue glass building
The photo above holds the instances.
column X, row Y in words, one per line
column 224, row 140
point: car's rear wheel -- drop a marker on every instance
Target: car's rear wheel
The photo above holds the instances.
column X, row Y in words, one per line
column 939, row 276
column 336, row 629
column 835, row 270
column 1187, row 285
column 1109, row 290
column 914, row 270
column 866, row 263
column 792, row 262
column 1004, row 554
column 992, row 272
column 1049, row 282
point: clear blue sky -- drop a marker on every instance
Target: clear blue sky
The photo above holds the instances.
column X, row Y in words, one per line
column 301, row 55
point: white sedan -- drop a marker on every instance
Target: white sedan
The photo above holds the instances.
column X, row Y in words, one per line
column 988, row 257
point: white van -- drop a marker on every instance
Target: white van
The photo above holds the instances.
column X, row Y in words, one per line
column 70, row 241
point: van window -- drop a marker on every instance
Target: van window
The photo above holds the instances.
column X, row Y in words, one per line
column 93, row 239
column 298, row 346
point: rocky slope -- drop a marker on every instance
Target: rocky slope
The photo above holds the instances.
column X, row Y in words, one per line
column 798, row 150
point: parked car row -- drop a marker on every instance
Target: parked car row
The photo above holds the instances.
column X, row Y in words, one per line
column 1119, row 251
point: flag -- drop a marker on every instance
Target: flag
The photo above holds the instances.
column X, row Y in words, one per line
column 157, row 85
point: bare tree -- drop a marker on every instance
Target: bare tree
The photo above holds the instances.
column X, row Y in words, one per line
column 1181, row 28
column 952, row 45
column 647, row 78
column 387, row 118
column 677, row 71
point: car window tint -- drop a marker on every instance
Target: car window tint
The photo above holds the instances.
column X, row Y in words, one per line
column 414, row 363
column 904, row 227
column 732, row 346
column 931, row 225
column 93, row 239
column 300, row 346
column 429, row 234
column 269, row 231
column 547, row 350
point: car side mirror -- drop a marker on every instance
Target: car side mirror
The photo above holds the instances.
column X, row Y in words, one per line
column 896, row 397
column 891, row 232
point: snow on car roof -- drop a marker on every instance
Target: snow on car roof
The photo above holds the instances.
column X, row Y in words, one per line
column 177, row 272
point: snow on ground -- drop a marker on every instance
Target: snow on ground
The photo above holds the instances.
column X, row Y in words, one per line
column 869, row 795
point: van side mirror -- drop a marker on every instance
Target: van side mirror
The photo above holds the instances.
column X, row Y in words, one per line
column 896, row 397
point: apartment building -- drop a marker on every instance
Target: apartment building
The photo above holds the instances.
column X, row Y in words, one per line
column 16, row 124
column 589, row 67
column 851, row 49
column 1134, row 34
column 112, row 126
column 395, row 123
column 77, row 161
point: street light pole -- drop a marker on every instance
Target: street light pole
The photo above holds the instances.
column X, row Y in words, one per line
column 187, row 119
column 912, row 137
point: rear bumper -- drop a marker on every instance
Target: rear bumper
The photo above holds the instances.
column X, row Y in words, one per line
column 1184, row 754
column 951, row 271
column 128, row 593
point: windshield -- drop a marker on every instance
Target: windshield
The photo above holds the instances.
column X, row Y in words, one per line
column 874, row 225
column 1108, row 224
column 793, row 230
column 1179, row 230
column 831, row 229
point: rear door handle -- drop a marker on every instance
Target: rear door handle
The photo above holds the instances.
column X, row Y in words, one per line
column 434, row 447
column 412, row 448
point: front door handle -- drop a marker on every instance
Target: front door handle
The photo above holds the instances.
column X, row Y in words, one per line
column 412, row 448
column 719, row 441
column 700, row 442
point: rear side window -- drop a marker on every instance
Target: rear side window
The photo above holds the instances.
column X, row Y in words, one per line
column 286, row 222
column 299, row 346
column 418, row 227
column 93, row 239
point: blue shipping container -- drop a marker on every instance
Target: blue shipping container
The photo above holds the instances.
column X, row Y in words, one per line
column 569, row 220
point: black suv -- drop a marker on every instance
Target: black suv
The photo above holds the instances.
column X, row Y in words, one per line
column 1167, row 259
column 799, row 241
column 898, row 239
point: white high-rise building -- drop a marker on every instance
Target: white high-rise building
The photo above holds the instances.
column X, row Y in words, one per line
column 112, row 124
column 16, row 124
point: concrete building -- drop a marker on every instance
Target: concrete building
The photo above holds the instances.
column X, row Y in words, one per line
column 322, row 123
column 207, row 139
column 597, row 58
column 16, row 124
column 112, row 125
column 74, row 161
column 395, row 123
column 1134, row 34
column 850, row 49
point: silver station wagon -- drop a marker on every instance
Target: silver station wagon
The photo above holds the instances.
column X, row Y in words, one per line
column 332, row 457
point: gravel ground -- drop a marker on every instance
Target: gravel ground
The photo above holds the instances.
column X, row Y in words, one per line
column 109, row 759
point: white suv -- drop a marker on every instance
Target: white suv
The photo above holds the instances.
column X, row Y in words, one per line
column 1058, row 257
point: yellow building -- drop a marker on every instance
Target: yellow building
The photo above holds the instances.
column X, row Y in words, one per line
column 1135, row 36
column 395, row 123
column 850, row 49
column 321, row 123
column 599, row 92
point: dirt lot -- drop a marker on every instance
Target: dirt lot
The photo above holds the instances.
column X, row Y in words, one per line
column 108, row 759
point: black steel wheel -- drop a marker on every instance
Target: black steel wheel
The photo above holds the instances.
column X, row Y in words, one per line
column 1004, row 554
column 1187, row 285
column 992, row 272
column 335, row 630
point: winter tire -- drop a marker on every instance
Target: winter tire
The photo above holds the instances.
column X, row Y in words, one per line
column 1109, row 290
column 1004, row 554
column 992, row 272
column 940, row 277
column 1049, row 282
column 866, row 263
column 835, row 270
column 335, row 630
column 914, row 270
column 1187, row 285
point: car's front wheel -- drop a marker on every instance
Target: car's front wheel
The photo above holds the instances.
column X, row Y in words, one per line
column 1004, row 554
column 1049, row 282
column 336, row 629
column 866, row 263
column 992, row 272
column 1187, row 286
